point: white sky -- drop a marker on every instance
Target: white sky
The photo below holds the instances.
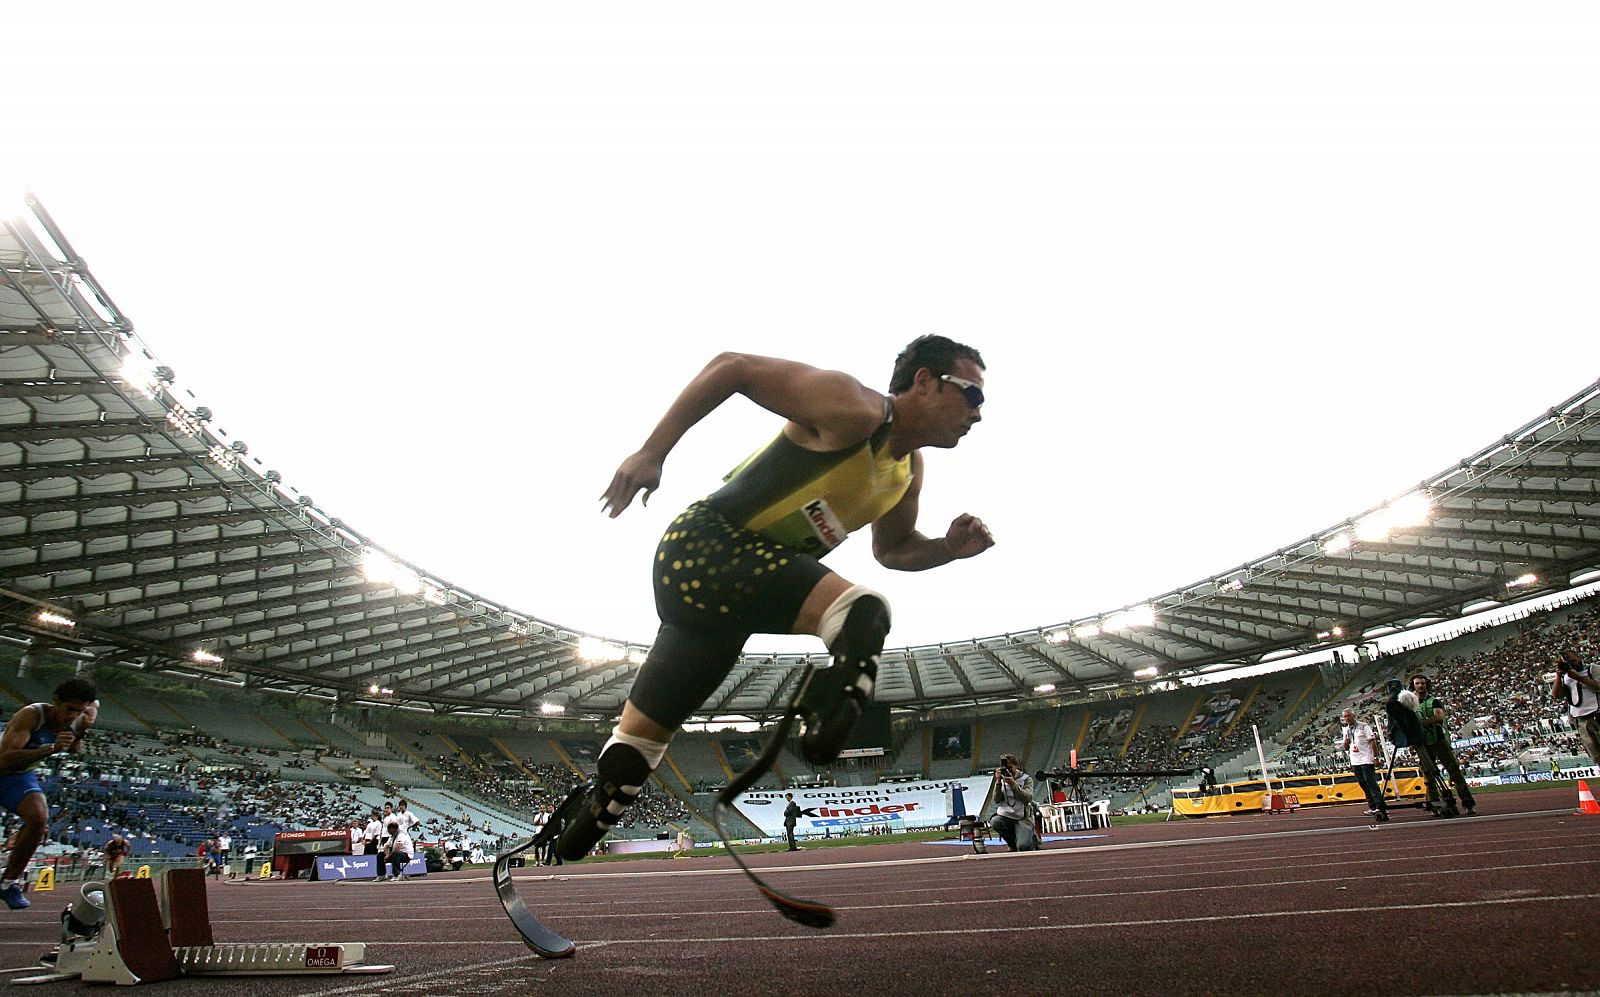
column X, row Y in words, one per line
column 1239, row 270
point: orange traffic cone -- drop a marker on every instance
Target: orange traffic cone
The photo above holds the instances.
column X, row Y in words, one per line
column 1586, row 802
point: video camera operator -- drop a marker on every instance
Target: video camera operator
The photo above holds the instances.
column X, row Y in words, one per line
column 1405, row 731
column 1013, row 797
column 1574, row 684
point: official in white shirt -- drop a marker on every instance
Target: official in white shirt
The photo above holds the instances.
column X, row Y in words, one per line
column 407, row 820
column 398, row 852
column 372, row 838
column 1360, row 739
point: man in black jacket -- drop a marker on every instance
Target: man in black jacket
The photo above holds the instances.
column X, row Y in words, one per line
column 791, row 813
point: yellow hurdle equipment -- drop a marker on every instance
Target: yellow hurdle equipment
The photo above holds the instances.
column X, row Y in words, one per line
column 46, row 882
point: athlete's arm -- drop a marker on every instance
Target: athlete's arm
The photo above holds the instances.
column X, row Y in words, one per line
column 826, row 409
column 15, row 755
column 80, row 726
column 897, row 544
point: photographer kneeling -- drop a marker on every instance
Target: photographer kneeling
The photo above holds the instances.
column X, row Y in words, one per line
column 1013, row 799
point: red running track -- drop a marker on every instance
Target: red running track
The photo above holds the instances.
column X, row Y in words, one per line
column 1311, row 902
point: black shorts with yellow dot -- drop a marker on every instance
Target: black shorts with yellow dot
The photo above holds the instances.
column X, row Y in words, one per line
column 715, row 583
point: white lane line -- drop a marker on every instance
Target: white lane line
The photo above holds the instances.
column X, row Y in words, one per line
column 1093, row 925
column 986, row 901
column 1394, row 828
column 423, row 977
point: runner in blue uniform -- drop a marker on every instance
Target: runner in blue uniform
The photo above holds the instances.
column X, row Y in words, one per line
column 35, row 733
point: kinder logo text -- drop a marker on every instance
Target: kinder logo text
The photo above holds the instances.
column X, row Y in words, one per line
column 893, row 810
column 825, row 524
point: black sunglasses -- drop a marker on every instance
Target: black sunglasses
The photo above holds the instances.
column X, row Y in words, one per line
column 969, row 389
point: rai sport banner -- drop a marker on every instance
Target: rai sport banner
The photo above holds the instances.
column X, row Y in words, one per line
column 901, row 805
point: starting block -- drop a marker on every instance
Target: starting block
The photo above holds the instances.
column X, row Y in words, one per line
column 141, row 943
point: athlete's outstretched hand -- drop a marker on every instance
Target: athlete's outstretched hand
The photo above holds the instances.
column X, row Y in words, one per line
column 640, row 471
column 967, row 536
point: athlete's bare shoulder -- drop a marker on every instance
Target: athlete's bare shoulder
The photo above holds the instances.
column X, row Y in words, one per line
column 826, row 409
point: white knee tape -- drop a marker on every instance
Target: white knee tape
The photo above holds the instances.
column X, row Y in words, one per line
column 653, row 751
column 833, row 616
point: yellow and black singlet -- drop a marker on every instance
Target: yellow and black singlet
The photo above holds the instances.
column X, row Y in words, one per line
column 809, row 500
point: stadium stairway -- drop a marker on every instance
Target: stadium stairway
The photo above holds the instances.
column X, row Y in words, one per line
column 130, row 711
column 566, row 759
column 687, row 799
column 721, row 755
column 1285, row 734
column 452, row 806
column 688, row 787
column 11, row 691
column 421, row 763
column 1138, row 721
column 505, row 749
column 455, row 749
column 318, row 736
column 291, row 742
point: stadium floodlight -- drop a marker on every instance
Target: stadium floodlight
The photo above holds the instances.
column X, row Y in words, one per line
column 1336, row 544
column 205, row 657
column 1523, row 580
column 184, row 421
column 55, row 619
column 1058, row 636
column 144, row 375
column 637, row 655
column 595, row 649
column 432, row 594
column 1410, row 510
column 380, row 690
column 1086, row 631
column 377, row 566
column 1147, row 673
column 1331, row 633
column 1373, row 527
column 1045, row 688
column 1138, row 616
column 551, row 709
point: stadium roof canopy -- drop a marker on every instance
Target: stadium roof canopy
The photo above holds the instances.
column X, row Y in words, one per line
column 133, row 532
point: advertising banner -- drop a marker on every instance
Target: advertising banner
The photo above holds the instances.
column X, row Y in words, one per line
column 362, row 867
column 1578, row 772
column 1474, row 741
column 902, row 805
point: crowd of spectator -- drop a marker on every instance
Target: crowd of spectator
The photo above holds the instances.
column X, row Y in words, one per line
column 1500, row 692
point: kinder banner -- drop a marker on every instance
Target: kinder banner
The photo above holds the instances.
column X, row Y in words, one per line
column 901, row 805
